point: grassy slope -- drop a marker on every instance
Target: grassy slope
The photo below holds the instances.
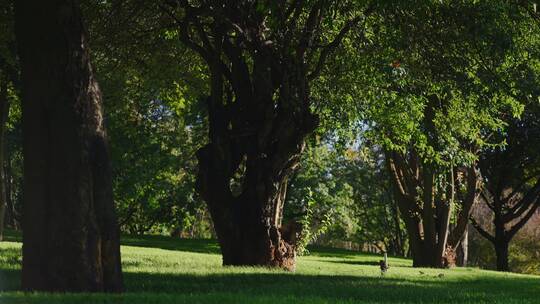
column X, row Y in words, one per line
column 163, row 270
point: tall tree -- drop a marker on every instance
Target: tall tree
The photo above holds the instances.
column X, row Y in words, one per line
column 71, row 238
column 262, row 57
column 151, row 85
column 511, row 172
column 512, row 183
column 428, row 208
column 449, row 75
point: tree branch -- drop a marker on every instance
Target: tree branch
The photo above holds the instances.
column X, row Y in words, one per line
column 328, row 49
column 524, row 201
column 487, row 199
column 473, row 191
column 481, row 230
column 514, row 229
column 313, row 21
column 532, row 199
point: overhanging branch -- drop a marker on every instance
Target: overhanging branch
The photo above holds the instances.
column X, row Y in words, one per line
column 481, row 230
column 332, row 46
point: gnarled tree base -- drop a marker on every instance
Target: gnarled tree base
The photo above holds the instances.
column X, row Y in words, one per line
column 269, row 250
column 450, row 257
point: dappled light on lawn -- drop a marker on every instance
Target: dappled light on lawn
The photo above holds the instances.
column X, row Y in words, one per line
column 166, row 270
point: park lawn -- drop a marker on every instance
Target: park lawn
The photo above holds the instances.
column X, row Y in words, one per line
column 165, row 270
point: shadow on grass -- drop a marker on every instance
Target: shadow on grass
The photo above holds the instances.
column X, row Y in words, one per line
column 305, row 288
column 150, row 241
column 211, row 246
column 200, row 245
column 278, row 287
column 391, row 290
column 169, row 243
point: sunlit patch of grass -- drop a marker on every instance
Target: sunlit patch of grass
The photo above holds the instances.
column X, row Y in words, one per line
column 165, row 270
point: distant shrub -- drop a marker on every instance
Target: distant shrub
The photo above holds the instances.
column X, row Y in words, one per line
column 525, row 255
column 524, row 249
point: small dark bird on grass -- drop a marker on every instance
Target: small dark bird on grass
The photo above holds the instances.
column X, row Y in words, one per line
column 441, row 275
column 421, row 272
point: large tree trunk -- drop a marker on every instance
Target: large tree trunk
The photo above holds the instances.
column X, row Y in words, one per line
column 248, row 226
column 248, row 218
column 70, row 234
column 500, row 240
column 407, row 205
column 501, row 250
column 414, row 233
column 431, row 242
column 254, row 147
column 428, row 217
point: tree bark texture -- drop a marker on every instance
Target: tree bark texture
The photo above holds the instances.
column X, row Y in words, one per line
column 257, row 152
column 426, row 213
column 70, row 233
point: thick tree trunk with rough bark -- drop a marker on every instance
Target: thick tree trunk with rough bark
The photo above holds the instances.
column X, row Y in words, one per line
column 248, row 231
column 432, row 242
column 70, row 234
column 243, row 175
column 248, row 223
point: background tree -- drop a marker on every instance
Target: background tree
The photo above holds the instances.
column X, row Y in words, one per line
column 442, row 85
column 319, row 198
column 156, row 120
column 378, row 216
column 71, row 238
column 341, row 195
column 512, row 183
column 8, row 79
column 4, row 113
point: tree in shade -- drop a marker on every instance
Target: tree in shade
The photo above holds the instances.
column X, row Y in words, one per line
column 71, row 238
column 512, row 183
column 262, row 57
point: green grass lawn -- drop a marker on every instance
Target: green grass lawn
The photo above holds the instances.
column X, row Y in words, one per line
column 165, row 270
